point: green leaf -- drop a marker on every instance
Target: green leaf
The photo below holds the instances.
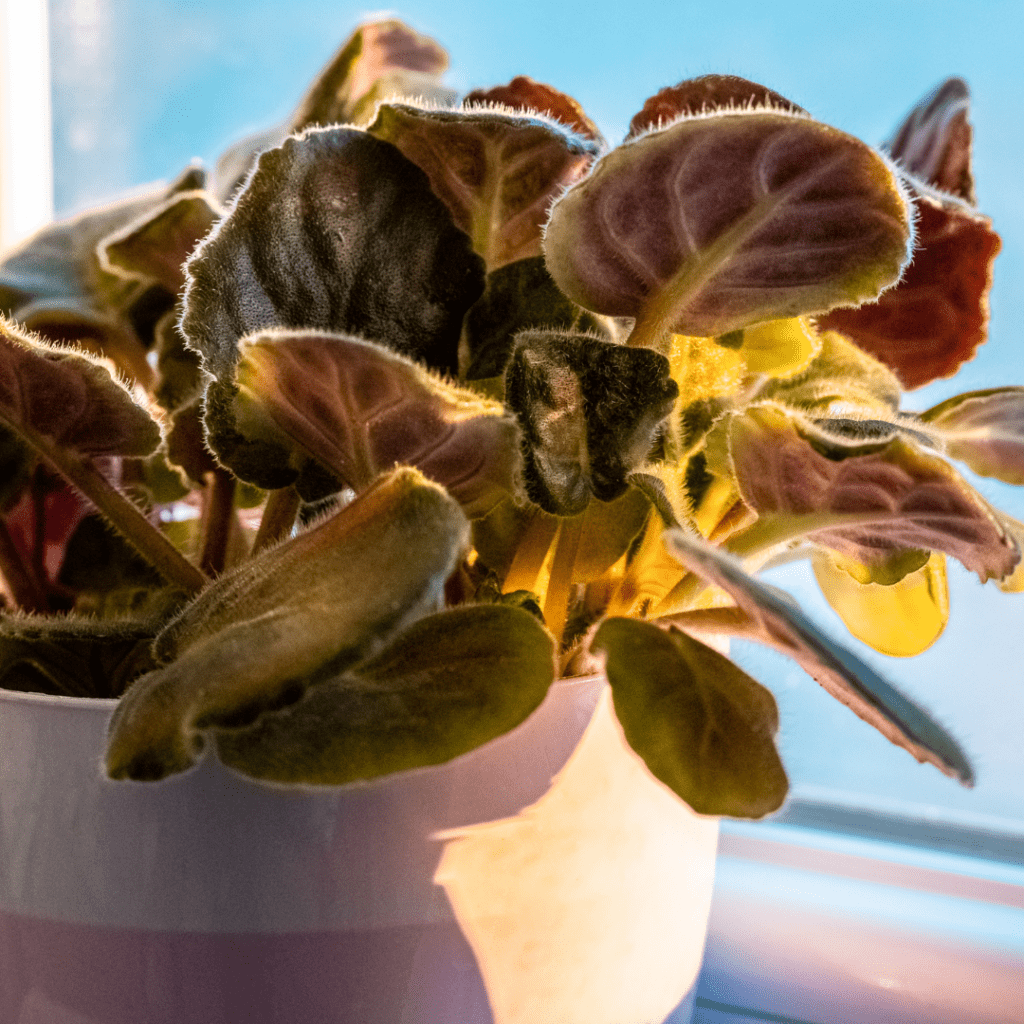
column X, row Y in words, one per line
column 335, row 231
column 771, row 617
column 718, row 222
column 496, row 172
column 590, row 412
column 985, row 429
column 446, row 685
column 865, row 498
column 359, row 410
column 702, row 725
column 299, row 613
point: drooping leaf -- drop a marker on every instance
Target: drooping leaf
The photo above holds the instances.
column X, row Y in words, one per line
column 301, row 612
column 589, row 411
column 701, row 724
column 771, row 617
column 156, row 246
column 444, row 686
column 335, row 231
column 496, row 172
column 985, row 429
column 56, row 398
column 705, row 95
column 934, row 141
column 359, row 410
column 935, row 318
column 893, row 494
column 525, row 94
column 719, row 222
column 519, row 296
column 900, row 619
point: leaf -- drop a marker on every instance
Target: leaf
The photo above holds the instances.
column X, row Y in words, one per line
column 301, row 612
column 525, row 94
column 156, row 246
column 519, row 296
column 446, row 685
column 334, row 231
column 496, row 172
column 773, row 618
column 719, row 222
column 778, row 348
column 179, row 379
column 589, row 411
column 705, row 95
column 935, row 318
column 900, row 619
column 702, row 725
column 360, row 410
column 608, row 530
column 985, row 429
column 894, row 494
column 60, row 399
column 934, row 141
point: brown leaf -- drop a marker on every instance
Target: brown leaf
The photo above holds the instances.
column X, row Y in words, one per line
column 932, row 321
column 523, row 93
column 702, row 95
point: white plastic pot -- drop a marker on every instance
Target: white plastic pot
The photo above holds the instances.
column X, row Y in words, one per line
column 472, row 892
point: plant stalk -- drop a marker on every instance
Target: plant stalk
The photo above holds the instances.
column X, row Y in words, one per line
column 278, row 518
column 218, row 518
column 25, row 586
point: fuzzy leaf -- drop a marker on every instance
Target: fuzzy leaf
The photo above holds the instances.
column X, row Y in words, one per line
column 335, row 231
column 702, row 725
column 444, row 686
column 705, row 95
column 715, row 223
column 589, row 411
column 179, row 379
column 771, row 617
column 56, row 398
column 898, row 495
column 360, row 410
column 519, row 296
column 525, row 94
column 935, row 318
column 778, row 348
column 304, row 611
column 985, row 429
column 934, row 141
column 496, row 172
column 156, row 246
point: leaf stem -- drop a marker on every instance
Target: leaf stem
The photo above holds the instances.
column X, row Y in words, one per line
column 556, row 602
column 25, row 586
column 278, row 518
column 218, row 518
column 530, row 554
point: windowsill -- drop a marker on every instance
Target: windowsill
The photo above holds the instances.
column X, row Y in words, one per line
column 829, row 915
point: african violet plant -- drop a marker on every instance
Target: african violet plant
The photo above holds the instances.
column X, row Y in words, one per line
column 413, row 406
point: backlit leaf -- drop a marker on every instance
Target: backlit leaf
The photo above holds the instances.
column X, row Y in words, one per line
column 894, row 494
column 935, row 318
column 301, row 612
column 701, row 724
column 778, row 348
column 771, row 617
column 444, row 686
column 523, row 93
column 496, row 172
column 335, row 231
column 719, row 222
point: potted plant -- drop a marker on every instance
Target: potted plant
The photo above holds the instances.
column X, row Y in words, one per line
column 400, row 435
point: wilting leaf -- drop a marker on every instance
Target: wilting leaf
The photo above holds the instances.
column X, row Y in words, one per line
column 56, row 398
column 496, row 172
column 523, row 93
column 894, row 494
column 444, row 686
column 589, row 411
column 771, row 617
column 842, row 378
column 705, row 95
column 934, row 319
column 900, row 619
column 73, row 657
column 156, row 246
column 335, row 231
column 302, row 612
column 359, row 410
column 985, row 429
column 519, row 296
column 715, row 223
column 701, row 724
column 934, row 142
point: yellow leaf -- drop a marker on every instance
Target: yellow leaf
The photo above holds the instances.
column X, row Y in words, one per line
column 780, row 348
